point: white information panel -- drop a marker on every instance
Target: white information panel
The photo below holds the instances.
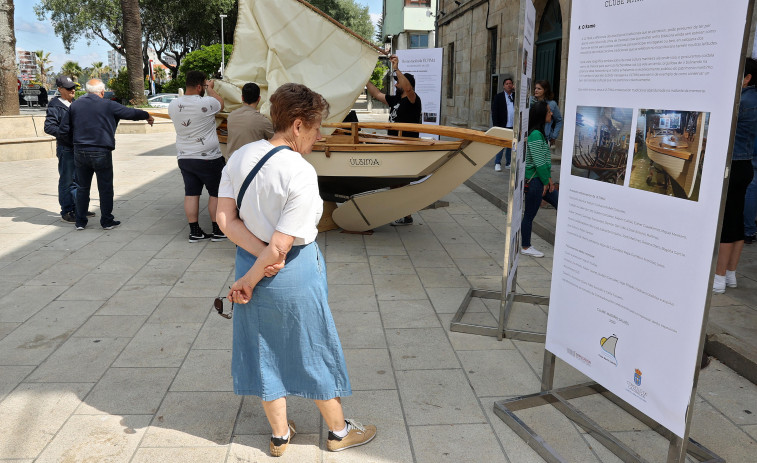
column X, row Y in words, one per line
column 518, row 164
column 425, row 64
column 648, row 114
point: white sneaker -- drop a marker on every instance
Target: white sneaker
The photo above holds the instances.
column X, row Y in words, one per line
column 497, row 167
column 532, row 251
column 718, row 284
column 730, row 278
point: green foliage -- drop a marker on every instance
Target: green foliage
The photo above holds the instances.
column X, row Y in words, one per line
column 377, row 77
column 71, row 69
column 349, row 13
column 380, row 31
column 207, row 59
column 120, row 84
column 173, row 86
column 172, row 27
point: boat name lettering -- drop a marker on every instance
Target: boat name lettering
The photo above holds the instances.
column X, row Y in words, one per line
column 364, row 162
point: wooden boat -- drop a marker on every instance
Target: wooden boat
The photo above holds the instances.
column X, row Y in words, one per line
column 606, row 159
column 669, row 151
column 678, row 157
column 375, row 178
column 379, row 178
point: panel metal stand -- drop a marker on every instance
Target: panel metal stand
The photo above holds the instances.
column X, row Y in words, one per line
column 501, row 331
column 559, row 398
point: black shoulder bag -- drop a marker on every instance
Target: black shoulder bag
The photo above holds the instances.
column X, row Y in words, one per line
column 254, row 172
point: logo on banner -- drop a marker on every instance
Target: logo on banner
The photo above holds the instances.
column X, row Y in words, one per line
column 579, row 357
column 608, row 347
column 635, row 386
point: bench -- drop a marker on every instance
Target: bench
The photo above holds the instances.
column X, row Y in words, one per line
column 24, row 137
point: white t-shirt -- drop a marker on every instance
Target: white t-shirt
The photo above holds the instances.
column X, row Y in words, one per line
column 194, row 119
column 282, row 197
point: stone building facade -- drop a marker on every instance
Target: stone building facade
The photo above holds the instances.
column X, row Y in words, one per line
column 480, row 40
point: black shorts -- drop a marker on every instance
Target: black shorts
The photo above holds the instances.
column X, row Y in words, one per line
column 199, row 172
column 733, row 216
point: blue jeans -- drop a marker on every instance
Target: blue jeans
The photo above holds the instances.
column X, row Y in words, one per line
column 750, row 204
column 91, row 162
column 66, row 179
column 531, row 204
column 498, row 157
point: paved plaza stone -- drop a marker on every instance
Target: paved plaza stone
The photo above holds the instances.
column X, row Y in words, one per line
column 110, row 350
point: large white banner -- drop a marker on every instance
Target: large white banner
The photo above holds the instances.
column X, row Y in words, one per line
column 648, row 114
column 520, row 124
column 425, row 64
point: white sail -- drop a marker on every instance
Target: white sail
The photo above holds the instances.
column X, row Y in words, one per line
column 290, row 41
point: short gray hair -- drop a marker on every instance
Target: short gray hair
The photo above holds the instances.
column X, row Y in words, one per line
column 95, row 86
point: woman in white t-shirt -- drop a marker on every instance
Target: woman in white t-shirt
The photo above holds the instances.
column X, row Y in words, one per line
column 285, row 341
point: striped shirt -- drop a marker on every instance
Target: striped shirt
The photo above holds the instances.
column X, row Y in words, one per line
column 538, row 157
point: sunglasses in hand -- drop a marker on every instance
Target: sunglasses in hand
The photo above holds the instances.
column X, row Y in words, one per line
column 218, row 304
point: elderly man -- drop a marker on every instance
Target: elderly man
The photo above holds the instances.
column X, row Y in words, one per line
column 91, row 123
column 246, row 124
column 198, row 151
column 56, row 110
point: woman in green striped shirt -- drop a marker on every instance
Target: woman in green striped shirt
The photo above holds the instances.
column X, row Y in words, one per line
column 538, row 173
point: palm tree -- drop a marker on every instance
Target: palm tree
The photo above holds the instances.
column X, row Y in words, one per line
column 43, row 60
column 71, row 69
column 160, row 73
column 107, row 72
column 97, row 70
column 8, row 75
column 132, row 33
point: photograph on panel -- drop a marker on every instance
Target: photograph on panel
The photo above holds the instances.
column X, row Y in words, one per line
column 600, row 150
column 669, row 152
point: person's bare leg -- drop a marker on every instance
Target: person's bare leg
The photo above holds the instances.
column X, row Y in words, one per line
column 733, row 261
column 192, row 208
column 212, row 207
column 332, row 413
column 724, row 257
column 276, row 412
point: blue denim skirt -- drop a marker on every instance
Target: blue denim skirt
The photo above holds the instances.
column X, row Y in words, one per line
column 285, row 341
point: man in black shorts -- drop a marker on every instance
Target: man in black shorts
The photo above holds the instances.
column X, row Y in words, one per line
column 405, row 107
column 198, row 151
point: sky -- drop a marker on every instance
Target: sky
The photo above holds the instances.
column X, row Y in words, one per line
column 31, row 35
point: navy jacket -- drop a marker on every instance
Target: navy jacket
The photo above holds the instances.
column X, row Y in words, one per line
column 56, row 111
column 746, row 125
column 91, row 122
column 499, row 110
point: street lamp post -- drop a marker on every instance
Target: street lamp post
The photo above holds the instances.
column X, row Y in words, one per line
column 223, row 49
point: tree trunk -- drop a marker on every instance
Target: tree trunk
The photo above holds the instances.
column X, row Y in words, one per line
column 8, row 75
column 133, row 44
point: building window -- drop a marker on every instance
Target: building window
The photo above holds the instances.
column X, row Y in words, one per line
column 450, row 70
column 491, row 57
column 418, row 40
column 419, row 3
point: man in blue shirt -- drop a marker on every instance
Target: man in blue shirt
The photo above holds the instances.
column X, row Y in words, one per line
column 91, row 124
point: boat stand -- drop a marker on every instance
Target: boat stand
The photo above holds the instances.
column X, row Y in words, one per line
column 559, row 398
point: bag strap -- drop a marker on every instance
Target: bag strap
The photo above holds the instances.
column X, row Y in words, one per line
column 254, row 172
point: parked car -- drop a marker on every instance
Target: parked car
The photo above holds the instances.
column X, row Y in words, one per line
column 53, row 94
column 109, row 95
column 161, row 100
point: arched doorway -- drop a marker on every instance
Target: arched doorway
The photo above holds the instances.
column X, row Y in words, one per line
column 549, row 46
